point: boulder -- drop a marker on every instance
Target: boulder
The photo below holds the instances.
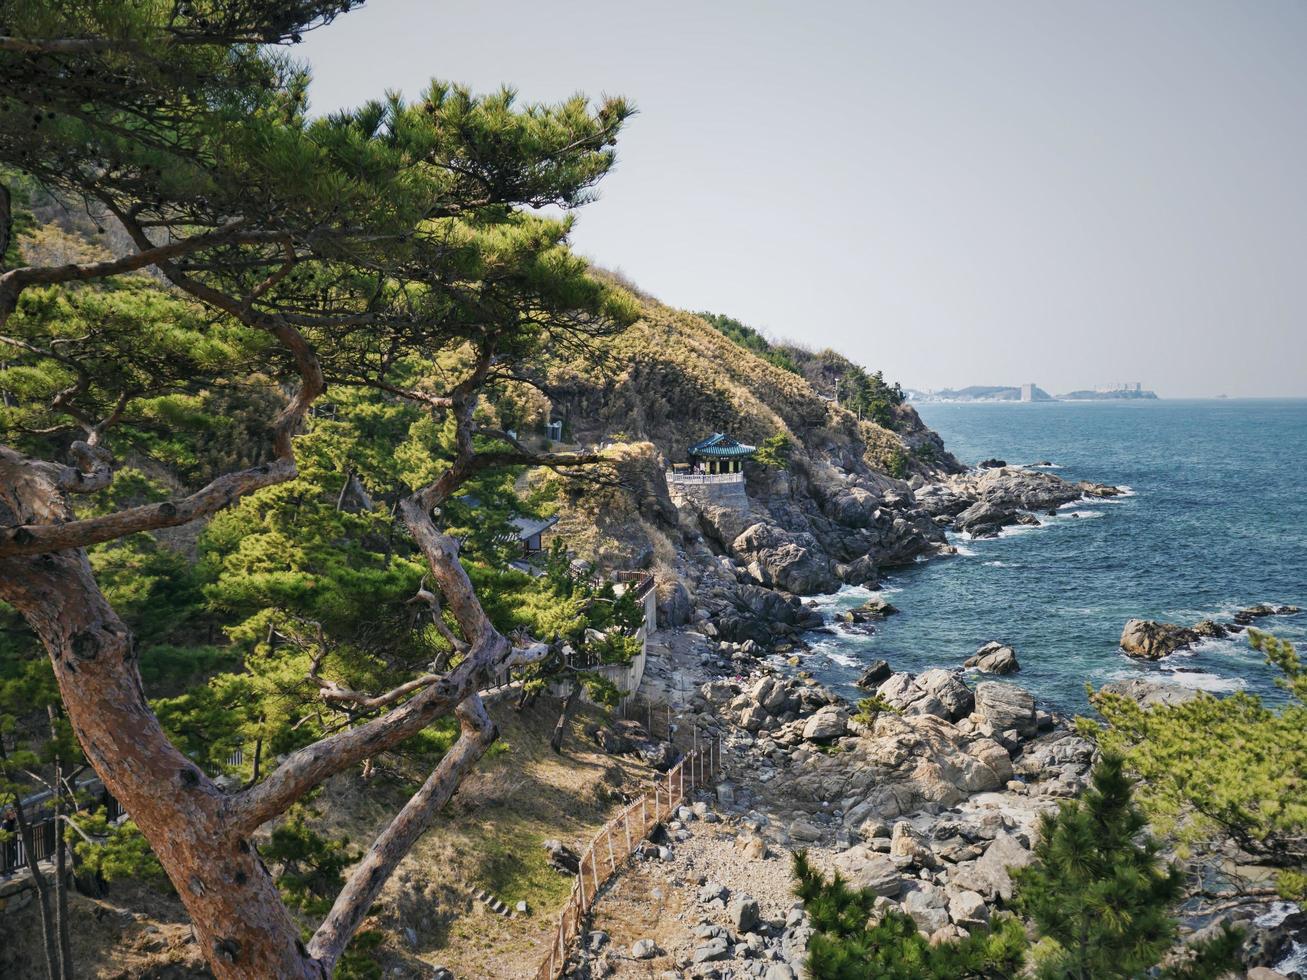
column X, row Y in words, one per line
column 562, row 858
column 984, row 519
column 968, row 909
column 865, row 868
column 948, row 688
column 991, row 464
column 988, row 875
column 827, row 724
column 875, row 674
column 994, row 658
column 901, row 691
column 1006, row 706
column 1148, row 694
column 644, row 949
column 1210, row 629
column 928, row 906
column 743, row 914
column 1148, row 639
column 1244, row 617
column 777, row 558
column 876, row 608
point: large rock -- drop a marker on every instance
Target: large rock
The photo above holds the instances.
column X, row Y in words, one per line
column 1151, row 640
column 988, row 875
column 1245, row 617
column 875, row 674
column 902, row 692
column 865, row 868
column 984, row 519
column 967, row 908
column 1006, row 706
column 827, row 724
column 948, row 688
column 781, row 559
column 994, row 658
column 674, row 605
column 1149, row 694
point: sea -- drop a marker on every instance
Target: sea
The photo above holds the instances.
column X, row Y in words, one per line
column 1215, row 520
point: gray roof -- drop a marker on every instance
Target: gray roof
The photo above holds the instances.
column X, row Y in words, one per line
column 529, row 527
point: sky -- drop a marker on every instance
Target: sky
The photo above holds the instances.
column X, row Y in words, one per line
column 955, row 193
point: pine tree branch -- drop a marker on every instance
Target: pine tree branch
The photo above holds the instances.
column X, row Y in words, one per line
column 371, row 873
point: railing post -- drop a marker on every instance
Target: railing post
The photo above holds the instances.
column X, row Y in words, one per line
column 612, row 861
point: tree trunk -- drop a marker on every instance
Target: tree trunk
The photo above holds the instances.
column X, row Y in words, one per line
column 42, row 889
column 570, row 704
column 233, row 903
column 60, row 860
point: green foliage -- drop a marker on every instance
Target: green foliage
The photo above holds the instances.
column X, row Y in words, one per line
column 115, row 852
column 896, row 464
column 1097, row 891
column 309, row 867
column 1221, row 766
column 870, row 707
column 751, row 340
column 1097, row 896
column 775, row 451
column 852, row 942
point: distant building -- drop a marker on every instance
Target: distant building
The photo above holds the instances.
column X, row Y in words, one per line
column 719, row 453
column 527, row 531
column 714, row 474
column 1028, row 392
column 1120, row 387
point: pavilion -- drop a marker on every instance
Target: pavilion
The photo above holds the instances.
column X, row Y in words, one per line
column 719, row 453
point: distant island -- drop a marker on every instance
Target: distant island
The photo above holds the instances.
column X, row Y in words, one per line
column 1031, row 393
column 1132, row 390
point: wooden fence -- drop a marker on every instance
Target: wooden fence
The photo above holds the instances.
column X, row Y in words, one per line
column 13, row 856
column 620, row 837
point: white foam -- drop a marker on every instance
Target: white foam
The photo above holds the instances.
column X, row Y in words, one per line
column 996, row 564
column 843, row 659
column 963, row 550
column 1214, row 683
column 1015, row 529
column 1082, row 513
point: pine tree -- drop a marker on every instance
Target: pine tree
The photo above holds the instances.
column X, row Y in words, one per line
column 1223, row 766
column 356, row 249
column 851, row 942
column 1098, row 893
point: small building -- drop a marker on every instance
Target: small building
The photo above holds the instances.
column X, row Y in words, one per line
column 719, row 453
column 528, row 531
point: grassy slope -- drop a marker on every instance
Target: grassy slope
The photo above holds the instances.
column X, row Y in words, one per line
column 675, row 379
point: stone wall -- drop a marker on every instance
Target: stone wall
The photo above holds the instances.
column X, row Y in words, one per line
column 729, row 494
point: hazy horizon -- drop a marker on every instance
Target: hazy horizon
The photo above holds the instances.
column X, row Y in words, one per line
column 953, row 194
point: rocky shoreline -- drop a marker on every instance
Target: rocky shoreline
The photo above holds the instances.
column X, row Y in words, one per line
column 927, row 791
column 929, row 800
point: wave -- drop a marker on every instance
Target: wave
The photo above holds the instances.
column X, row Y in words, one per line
column 997, row 564
column 963, row 550
column 1202, row 681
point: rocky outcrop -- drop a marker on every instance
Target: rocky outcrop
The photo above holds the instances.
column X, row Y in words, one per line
column 986, row 500
column 1006, row 706
column 994, row 658
column 777, row 558
column 1149, row 694
column 1246, row 617
column 874, row 675
column 949, row 690
column 1148, row 639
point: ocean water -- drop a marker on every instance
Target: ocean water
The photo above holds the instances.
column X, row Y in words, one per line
column 1216, row 520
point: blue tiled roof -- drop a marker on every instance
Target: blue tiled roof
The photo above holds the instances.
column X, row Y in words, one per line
column 719, row 444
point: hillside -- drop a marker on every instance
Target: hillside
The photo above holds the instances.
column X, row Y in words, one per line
column 836, row 509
